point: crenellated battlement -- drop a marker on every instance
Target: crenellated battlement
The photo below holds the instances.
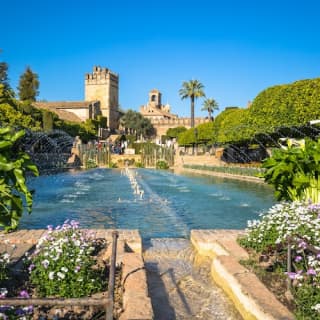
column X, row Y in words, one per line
column 100, row 76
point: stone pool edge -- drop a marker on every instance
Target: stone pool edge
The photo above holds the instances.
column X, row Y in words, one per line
column 136, row 301
column 179, row 170
column 250, row 297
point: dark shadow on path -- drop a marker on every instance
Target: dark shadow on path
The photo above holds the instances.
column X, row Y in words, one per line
column 158, row 294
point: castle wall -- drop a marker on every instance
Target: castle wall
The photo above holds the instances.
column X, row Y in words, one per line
column 80, row 113
column 162, row 126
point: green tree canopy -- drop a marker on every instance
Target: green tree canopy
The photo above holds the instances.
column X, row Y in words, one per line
column 6, row 93
column 174, row 132
column 285, row 105
column 231, row 126
column 12, row 117
column 135, row 123
column 192, row 89
column 28, row 85
column 4, row 75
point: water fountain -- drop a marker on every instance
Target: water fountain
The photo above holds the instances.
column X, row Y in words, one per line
column 49, row 151
column 241, row 153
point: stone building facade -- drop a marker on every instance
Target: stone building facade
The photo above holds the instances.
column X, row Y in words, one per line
column 161, row 117
column 154, row 109
column 103, row 85
column 101, row 98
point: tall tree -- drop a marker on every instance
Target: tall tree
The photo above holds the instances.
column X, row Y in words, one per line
column 28, row 85
column 135, row 123
column 192, row 89
column 6, row 93
column 210, row 105
column 4, row 75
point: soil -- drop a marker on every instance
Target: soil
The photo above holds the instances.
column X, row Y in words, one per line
column 18, row 280
column 268, row 268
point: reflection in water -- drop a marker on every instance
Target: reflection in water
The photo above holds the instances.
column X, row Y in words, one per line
column 170, row 207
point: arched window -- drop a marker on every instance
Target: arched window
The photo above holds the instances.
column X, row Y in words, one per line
column 153, row 98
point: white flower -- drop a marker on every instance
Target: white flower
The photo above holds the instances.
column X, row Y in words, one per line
column 61, row 275
column 64, row 269
column 316, row 307
column 51, row 275
column 3, row 291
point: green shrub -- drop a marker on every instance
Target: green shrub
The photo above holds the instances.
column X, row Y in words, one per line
column 90, row 164
column 295, row 172
column 113, row 165
column 14, row 166
column 139, row 164
column 161, row 164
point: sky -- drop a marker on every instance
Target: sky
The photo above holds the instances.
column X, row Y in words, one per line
column 235, row 49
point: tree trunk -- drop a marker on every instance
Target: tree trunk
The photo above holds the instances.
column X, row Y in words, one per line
column 192, row 111
column 209, row 112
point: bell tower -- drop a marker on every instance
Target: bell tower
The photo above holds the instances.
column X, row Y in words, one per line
column 155, row 99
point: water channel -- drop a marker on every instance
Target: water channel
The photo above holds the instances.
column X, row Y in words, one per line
column 171, row 206
column 164, row 207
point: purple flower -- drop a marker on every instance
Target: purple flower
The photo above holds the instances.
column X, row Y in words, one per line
column 318, row 255
column 20, row 312
column 297, row 258
column 4, row 309
column 77, row 268
column 291, row 275
column 302, row 244
column 31, row 267
column 311, row 272
column 24, row 294
column 28, row 309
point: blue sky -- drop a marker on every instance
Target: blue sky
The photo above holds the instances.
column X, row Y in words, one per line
column 235, row 48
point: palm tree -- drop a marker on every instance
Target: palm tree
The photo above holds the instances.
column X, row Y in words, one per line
column 210, row 105
column 192, row 89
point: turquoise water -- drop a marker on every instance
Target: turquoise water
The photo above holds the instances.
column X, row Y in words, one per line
column 171, row 206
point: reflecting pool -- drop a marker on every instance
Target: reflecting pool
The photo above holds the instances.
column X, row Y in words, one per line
column 170, row 206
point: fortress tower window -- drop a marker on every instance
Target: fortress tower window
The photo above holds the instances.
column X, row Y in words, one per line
column 153, row 98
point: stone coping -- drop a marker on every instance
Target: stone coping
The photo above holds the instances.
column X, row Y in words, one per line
column 136, row 302
column 252, row 299
column 220, row 174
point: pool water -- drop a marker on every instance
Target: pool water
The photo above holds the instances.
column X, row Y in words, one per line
column 171, row 205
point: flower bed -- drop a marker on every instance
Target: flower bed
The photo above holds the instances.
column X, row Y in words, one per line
column 67, row 263
column 235, row 170
column 296, row 224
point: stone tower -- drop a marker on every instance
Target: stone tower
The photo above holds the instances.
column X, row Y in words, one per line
column 155, row 99
column 103, row 85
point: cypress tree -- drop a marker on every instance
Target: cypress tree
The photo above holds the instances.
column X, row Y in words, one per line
column 28, row 86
